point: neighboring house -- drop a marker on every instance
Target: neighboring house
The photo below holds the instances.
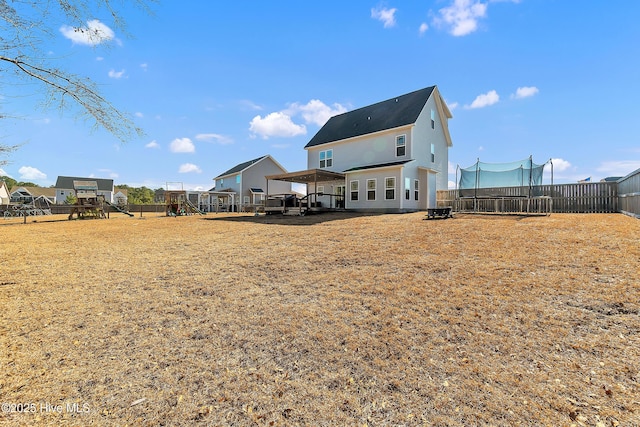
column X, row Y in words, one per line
column 391, row 156
column 32, row 195
column 120, row 196
column 247, row 180
column 64, row 187
column 4, row 193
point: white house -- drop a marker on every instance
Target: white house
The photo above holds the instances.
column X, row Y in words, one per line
column 248, row 183
column 391, row 156
column 33, row 195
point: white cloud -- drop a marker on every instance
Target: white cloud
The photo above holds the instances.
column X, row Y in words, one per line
column 188, row 168
column 485, row 100
column 423, row 28
column 152, row 144
column 99, row 58
column 182, row 145
column 30, row 173
column 144, row 66
column 452, row 106
column 93, row 34
column 525, row 92
column 214, row 137
column 276, row 124
column 560, row 165
column 316, row 111
column 249, row 105
column 618, row 167
column 139, row 114
column 3, row 173
column 384, row 15
column 116, row 74
column 451, row 185
column 281, row 123
column 461, row 17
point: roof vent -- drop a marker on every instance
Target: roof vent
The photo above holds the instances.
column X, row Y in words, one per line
column 369, row 118
column 396, row 99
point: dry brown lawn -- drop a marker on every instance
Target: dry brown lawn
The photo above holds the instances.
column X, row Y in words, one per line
column 334, row 319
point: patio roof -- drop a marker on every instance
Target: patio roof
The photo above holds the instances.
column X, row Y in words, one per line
column 308, row 176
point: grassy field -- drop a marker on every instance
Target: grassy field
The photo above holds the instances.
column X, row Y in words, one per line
column 334, row 319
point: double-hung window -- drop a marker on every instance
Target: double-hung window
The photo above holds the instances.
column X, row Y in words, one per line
column 416, row 189
column 433, row 119
column 354, row 187
column 371, row 189
column 401, row 145
column 390, row 188
column 433, row 153
column 326, row 159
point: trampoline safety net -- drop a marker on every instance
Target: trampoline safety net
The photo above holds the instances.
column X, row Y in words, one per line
column 500, row 179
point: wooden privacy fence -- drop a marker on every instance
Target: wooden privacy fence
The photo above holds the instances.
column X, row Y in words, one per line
column 599, row 197
column 629, row 194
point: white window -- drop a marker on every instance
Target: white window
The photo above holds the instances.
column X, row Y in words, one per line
column 246, row 200
column 433, row 119
column 401, row 145
column 371, row 189
column 416, row 188
column 320, row 190
column 238, row 178
column 221, row 182
column 326, row 159
column 354, row 190
column 433, row 153
column 390, row 188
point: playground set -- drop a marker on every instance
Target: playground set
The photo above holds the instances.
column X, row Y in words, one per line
column 177, row 203
column 90, row 204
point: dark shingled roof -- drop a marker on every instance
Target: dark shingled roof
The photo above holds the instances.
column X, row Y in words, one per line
column 399, row 111
column 66, row 182
column 240, row 167
column 379, row 165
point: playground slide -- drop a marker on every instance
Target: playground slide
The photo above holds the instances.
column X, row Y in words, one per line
column 119, row 209
column 193, row 207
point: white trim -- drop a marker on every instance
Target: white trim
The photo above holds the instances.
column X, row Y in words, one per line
column 428, row 169
column 389, row 188
column 357, row 181
column 374, row 189
column 395, row 147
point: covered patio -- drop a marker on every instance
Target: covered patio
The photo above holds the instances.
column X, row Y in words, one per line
column 310, row 200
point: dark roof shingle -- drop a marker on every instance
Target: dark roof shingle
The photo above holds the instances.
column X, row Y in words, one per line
column 241, row 167
column 398, row 111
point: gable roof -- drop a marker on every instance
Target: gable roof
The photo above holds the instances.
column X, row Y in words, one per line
column 240, row 167
column 47, row 192
column 66, row 183
column 395, row 112
column 246, row 165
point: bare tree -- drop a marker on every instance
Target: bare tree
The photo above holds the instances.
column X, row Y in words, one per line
column 25, row 27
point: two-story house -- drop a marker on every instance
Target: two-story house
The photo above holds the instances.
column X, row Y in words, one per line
column 248, row 183
column 391, row 156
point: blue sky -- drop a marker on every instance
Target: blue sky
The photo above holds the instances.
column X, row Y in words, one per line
column 214, row 84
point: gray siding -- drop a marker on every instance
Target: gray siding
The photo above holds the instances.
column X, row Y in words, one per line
column 362, row 151
column 424, row 136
